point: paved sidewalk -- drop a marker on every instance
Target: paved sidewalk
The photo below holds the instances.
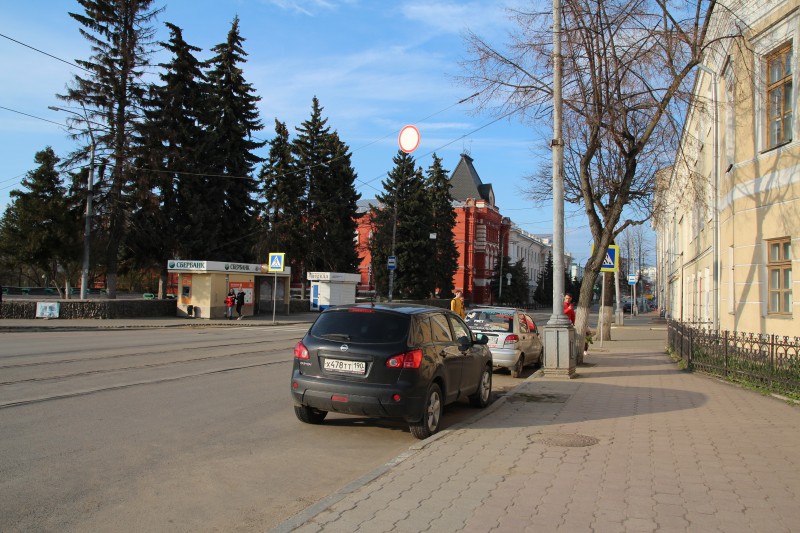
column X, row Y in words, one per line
column 631, row 445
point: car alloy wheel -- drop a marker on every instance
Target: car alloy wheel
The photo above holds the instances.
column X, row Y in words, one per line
column 431, row 415
column 484, row 392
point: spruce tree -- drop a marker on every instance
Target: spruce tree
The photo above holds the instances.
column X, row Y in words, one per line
column 171, row 219
column 311, row 148
column 519, row 287
column 283, row 193
column 40, row 228
column 233, row 118
column 544, row 285
column 406, row 214
column 338, row 205
column 111, row 94
column 445, row 258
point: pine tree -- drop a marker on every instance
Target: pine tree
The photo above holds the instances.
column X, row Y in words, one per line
column 445, row 259
column 171, row 219
column 40, row 228
column 233, row 119
column 111, row 94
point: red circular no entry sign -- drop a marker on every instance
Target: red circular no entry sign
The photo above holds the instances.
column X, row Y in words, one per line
column 408, row 139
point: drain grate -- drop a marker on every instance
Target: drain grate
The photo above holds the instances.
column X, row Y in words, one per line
column 542, row 398
column 565, row 440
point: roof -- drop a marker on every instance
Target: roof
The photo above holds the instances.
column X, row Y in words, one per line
column 399, row 307
column 465, row 183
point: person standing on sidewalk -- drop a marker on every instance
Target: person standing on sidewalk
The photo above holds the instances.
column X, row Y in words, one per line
column 569, row 309
column 239, row 303
column 457, row 304
column 230, row 300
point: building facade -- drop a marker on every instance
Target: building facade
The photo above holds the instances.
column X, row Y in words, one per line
column 533, row 250
column 481, row 234
column 728, row 211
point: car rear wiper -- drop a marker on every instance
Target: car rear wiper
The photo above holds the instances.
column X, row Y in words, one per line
column 336, row 336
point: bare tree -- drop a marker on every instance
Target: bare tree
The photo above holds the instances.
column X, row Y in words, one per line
column 626, row 86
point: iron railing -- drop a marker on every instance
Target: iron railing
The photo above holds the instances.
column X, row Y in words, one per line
column 765, row 360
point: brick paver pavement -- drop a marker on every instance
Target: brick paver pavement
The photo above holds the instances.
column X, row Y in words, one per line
column 633, row 444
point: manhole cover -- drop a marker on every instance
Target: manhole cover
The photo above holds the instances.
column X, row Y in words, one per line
column 543, row 398
column 565, row 440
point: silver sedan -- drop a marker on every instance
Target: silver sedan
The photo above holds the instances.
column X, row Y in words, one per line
column 513, row 336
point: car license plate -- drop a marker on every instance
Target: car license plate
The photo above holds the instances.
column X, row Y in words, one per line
column 339, row 365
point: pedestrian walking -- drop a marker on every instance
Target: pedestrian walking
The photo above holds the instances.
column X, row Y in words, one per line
column 239, row 303
column 230, row 300
column 457, row 304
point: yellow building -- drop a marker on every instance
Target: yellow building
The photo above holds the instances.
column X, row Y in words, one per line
column 728, row 211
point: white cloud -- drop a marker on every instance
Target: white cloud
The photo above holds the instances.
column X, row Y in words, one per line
column 309, row 7
column 456, row 17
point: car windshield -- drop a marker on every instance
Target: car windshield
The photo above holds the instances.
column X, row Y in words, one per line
column 490, row 320
column 361, row 325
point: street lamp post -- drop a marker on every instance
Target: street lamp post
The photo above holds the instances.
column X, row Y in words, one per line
column 559, row 349
column 88, row 225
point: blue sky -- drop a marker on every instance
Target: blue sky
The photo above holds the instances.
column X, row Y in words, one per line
column 374, row 65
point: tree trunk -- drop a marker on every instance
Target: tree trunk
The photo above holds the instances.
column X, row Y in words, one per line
column 163, row 280
column 607, row 307
column 582, row 314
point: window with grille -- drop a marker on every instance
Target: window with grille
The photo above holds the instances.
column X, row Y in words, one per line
column 779, row 264
column 779, row 97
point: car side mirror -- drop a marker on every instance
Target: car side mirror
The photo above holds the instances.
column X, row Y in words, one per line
column 464, row 343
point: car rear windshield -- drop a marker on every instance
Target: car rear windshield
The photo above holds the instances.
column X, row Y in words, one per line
column 361, row 325
column 490, row 320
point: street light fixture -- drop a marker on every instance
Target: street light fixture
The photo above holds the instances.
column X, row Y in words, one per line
column 87, row 227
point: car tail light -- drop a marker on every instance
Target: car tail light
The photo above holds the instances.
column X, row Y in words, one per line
column 412, row 359
column 511, row 339
column 300, row 351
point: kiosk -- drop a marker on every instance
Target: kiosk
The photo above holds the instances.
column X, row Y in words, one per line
column 203, row 285
column 332, row 288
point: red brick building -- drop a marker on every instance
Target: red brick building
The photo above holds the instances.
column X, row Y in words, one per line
column 478, row 234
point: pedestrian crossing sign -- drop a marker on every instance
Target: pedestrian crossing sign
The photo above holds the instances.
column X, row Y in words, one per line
column 276, row 262
column 611, row 261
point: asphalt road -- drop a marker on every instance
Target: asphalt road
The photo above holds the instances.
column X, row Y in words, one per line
column 172, row 430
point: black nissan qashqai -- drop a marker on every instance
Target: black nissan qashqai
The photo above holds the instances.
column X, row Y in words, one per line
column 389, row 360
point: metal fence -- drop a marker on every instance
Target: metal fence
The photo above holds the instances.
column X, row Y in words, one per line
column 768, row 361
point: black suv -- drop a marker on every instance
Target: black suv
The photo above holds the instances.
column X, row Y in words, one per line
column 389, row 360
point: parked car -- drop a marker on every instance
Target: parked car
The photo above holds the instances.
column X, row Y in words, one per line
column 389, row 360
column 513, row 336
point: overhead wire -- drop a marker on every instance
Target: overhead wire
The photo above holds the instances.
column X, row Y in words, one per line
column 45, row 53
column 366, row 183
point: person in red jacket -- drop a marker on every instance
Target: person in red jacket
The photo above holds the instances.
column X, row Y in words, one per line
column 230, row 301
column 569, row 310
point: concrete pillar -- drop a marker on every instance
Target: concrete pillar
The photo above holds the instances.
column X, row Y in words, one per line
column 560, row 358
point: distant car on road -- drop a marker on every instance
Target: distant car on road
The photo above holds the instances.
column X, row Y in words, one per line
column 389, row 360
column 513, row 336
